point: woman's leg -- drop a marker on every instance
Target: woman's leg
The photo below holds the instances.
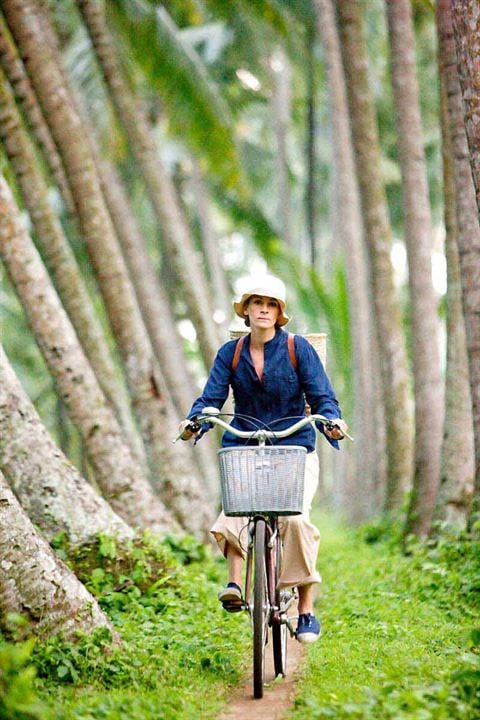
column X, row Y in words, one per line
column 305, row 598
column 235, row 564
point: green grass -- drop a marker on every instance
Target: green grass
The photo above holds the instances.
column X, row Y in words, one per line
column 399, row 638
column 179, row 656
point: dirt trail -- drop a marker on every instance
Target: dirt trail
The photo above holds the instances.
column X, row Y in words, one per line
column 278, row 695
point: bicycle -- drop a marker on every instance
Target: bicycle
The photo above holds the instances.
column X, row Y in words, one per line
column 263, row 482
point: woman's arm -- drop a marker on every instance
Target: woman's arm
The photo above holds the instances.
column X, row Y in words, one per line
column 215, row 391
column 318, row 390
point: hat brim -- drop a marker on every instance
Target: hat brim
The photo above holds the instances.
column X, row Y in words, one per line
column 282, row 319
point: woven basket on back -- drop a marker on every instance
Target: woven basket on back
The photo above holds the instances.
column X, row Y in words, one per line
column 317, row 340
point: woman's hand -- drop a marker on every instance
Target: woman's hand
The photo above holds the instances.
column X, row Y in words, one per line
column 337, row 433
column 187, row 430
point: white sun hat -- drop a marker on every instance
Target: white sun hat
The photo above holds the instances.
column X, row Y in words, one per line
column 265, row 286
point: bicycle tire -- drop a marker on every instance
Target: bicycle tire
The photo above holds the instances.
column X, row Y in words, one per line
column 260, row 609
column 279, row 631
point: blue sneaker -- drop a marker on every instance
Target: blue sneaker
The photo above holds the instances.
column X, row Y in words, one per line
column 308, row 628
column 231, row 597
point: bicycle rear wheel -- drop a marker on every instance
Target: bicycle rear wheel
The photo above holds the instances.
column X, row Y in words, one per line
column 260, row 610
column 279, row 630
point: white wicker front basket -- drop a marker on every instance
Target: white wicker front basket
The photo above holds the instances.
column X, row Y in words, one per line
column 267, row 480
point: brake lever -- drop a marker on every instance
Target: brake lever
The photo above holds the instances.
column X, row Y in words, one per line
column 193, row 426
column 331, row 426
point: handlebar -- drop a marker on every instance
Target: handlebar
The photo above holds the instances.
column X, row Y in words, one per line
column 210, row 414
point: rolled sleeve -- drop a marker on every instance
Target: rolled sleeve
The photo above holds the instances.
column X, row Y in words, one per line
column 216, row 388
column 316, row 385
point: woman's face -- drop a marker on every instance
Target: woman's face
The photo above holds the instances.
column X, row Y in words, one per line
column 262, row 311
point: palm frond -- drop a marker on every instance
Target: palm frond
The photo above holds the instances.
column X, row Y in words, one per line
column 196, row 111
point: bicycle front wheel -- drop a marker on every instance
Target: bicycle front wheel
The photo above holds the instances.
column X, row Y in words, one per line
column 279, row 630
column 260, row 609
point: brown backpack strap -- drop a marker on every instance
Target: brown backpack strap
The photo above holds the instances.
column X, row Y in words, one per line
column 291, row 350
column 238, row 350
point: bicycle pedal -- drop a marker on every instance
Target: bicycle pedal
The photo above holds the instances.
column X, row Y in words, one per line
column 233, row 607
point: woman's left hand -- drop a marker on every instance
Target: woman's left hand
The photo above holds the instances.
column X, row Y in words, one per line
column 338, row 433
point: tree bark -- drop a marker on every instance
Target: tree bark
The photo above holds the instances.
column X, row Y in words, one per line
column 141, row 369
column 378, row 234
column 457, row 469
column 466, row 26
column 370, row 459
column 281, row 106
column 428, row 384
column 119, row 477
column 50, row 489
column 184, row 492
column 217, row 276
column 318, row 256
column 15, row 71
column 152, row 299
column 36, row 584
column 62, row 265
column 176, row 237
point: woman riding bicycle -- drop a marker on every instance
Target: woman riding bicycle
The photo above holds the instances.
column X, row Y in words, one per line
column 267, row 386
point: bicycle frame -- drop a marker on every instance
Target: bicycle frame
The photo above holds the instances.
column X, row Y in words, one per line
column 269, row 608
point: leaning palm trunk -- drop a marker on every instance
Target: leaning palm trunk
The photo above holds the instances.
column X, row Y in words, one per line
column 419, row 240
column 62, row 265
column 370, row 466
column 457, row 469
column 180, row 251
column 281, row 104
column 378, row 235
column 119, row 477
column 466, row 25
column 15, row 72
column 152, row 298
column 51, row 490
column 141, row 369
column 217, row 276
column 159, row 320
column 35, row 583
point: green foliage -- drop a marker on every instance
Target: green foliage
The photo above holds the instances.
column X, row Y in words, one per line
column 400, row 633
column 18, row 698
column 178, row 650
column 197, row 111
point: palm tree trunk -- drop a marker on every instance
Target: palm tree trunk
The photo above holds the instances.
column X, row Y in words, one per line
column 217, row 276
column 466, row 26
column 317, row 254
column 119, row 477
column 62, row 265
column 50, row 489
column 178, row 244
column 152, row 299
column 370, row 461
column 141, row 369
column 18, row 79
column 36, row 584
column 378, row 234
column 419, row 240
column 457, row 470
column 281, row 105
column 179, row 389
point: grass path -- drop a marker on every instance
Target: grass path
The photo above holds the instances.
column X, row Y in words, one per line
column 397, row 633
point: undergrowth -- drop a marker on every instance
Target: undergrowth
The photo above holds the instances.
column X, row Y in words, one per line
column 178, row 656
column 401, row 635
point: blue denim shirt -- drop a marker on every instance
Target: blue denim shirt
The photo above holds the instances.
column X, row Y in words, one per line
column 280, row 393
